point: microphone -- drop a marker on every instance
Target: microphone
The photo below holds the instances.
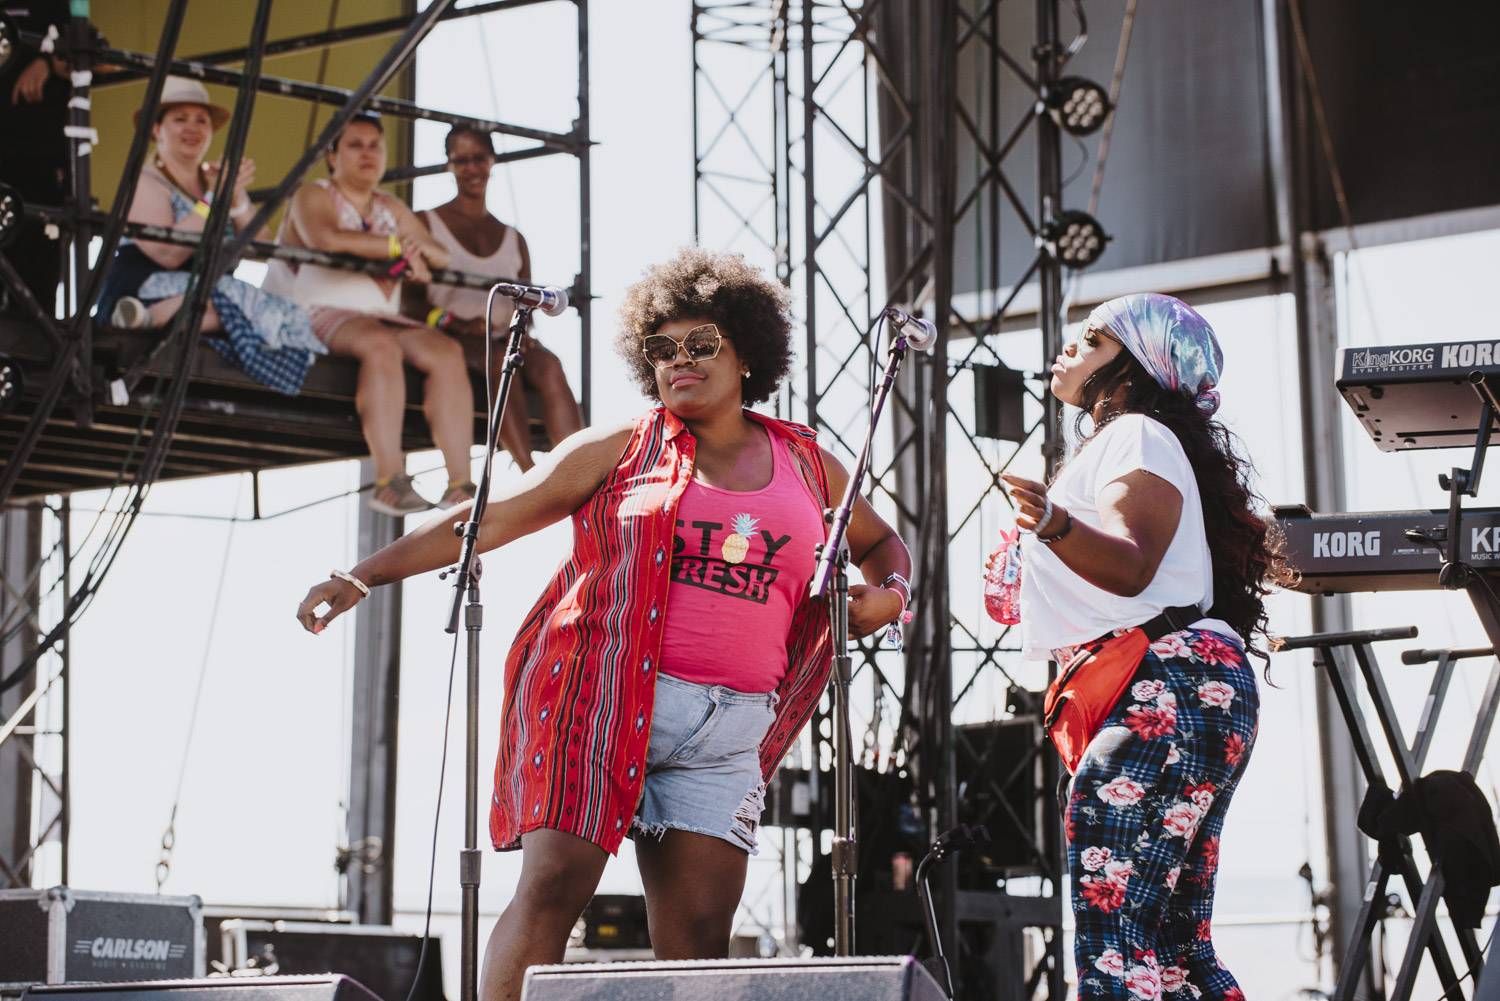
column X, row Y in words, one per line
column 920, row 334
column 552, row 301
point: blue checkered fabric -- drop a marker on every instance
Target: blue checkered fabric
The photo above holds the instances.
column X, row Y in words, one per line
column 1143, row 820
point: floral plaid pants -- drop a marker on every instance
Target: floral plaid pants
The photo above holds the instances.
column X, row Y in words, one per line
column 1143, row 818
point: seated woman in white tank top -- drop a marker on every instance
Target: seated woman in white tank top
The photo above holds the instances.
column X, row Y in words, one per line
column 478, row 243
column 358, row 315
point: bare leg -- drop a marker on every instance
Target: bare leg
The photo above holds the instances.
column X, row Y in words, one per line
column 515, row 423
column 693, row 885
column 447, row 398
column 380, row 397
column 560, row 412
column 163, row 310
column 558, row 875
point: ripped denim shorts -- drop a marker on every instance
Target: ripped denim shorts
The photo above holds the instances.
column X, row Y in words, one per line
column 703, row 762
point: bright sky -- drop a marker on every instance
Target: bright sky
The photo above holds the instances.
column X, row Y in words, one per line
column 262, row 788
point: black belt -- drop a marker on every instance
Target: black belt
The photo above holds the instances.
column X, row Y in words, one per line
column 1171, row 620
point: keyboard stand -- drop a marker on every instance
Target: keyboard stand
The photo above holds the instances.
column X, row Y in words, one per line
column 1331, row 651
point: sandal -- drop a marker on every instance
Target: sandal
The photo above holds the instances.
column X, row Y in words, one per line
column 456, row 494
column 397, row 497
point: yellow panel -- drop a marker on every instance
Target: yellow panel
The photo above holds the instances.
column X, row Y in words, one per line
column 282, row 127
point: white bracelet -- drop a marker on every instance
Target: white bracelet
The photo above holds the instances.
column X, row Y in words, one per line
column 1042, row 521
column 364, row 588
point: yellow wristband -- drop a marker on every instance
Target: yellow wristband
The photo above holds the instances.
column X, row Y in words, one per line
column 435, row 317
column 200, row 208
column 393, row 246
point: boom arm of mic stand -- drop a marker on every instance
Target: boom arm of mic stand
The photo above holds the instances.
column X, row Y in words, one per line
column 839, row 524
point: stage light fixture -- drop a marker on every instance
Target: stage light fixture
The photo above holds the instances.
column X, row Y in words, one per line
column 12, row 384
column 1074, row 238
column 1080, row 106
column 10, row 214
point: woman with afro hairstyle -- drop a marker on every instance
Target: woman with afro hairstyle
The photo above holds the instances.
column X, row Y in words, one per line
column 674, row 658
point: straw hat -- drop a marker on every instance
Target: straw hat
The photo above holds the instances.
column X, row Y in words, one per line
column 181, row 90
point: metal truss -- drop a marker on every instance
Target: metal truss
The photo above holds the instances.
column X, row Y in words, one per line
column 856, row 202
column 33, row 659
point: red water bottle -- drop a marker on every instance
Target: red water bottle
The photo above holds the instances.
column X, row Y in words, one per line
column 1002, row 580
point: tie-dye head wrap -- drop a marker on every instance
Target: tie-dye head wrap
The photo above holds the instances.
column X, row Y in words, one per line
column 1170, row 340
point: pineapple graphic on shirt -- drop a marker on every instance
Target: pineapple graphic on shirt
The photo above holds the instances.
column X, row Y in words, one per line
column 737, row 546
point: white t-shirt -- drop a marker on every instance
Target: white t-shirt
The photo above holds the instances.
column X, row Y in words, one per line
column 1060, row 608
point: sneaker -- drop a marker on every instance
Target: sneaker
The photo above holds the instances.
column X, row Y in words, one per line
column 397, row 498
column 130, row 314
column 456, row 494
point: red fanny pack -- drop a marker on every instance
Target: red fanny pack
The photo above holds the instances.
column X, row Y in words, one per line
column 1088, row 686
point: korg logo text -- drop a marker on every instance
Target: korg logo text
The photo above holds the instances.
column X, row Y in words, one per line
column 1485, row 541
column 1465, row 355
column 1394, row 360
column 1336, row 545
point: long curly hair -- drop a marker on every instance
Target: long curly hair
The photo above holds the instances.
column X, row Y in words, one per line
column 1246, row 548
column 752, row 310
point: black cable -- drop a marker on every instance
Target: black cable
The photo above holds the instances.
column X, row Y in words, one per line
column 437, row 815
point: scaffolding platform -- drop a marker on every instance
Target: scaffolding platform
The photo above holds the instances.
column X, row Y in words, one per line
column 230, row 423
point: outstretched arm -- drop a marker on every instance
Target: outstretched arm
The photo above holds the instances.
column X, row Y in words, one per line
column 547, row 493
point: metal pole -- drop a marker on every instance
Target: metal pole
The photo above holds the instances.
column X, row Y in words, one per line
column 325, row 39
column 65, row 544
column 1323, row 462
column 321, row 94
column 809, row 213
column 375, row 697
column 585, row 226
column 1052, row 321
column 81, row 148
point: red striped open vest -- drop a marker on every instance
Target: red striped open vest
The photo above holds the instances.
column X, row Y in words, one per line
column 581, row 676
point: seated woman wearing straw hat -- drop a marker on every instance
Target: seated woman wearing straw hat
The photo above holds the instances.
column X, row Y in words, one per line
column 264, row 334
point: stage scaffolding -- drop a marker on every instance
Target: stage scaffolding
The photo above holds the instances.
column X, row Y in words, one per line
column 824, row 147
column 161, row 415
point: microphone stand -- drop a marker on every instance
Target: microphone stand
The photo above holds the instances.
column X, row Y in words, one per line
column 831, row 580
column 466, row 586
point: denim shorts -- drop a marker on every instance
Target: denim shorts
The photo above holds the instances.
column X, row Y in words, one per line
column 703, row 762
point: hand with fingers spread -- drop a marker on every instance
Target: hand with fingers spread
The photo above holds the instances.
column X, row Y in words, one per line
column 1032, row 514
column 338, row 595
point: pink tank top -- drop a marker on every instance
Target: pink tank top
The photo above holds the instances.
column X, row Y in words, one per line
column 741, row 564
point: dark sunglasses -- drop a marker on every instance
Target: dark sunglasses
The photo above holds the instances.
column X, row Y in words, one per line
column 699, row 344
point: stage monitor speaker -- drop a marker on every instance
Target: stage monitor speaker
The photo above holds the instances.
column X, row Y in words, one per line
column 331, row 987
column 856, row 978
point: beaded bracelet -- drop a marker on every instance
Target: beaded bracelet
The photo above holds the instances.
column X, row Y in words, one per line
column 393, row 246
column 437, row 318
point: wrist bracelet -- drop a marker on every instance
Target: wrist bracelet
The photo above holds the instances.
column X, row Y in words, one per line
column 1055, row 536
column 200, row 208
column 398, row 267
column 437, row 318
column 364, row 588
column 393, row 246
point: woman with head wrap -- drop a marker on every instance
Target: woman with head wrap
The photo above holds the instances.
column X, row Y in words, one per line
column 1145, row 569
